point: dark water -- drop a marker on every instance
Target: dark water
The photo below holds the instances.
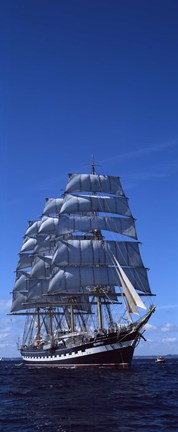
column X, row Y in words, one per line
column 142, row 399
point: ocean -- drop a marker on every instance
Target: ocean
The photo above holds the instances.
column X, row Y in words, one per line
column 144, row 398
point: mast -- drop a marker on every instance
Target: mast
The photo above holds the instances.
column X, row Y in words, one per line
column 71, row 318
column 98, row 233
column 51, row 321
column 100, row 324
column 93, row 166
column 38, row 324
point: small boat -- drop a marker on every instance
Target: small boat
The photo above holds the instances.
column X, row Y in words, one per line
column 160, row 359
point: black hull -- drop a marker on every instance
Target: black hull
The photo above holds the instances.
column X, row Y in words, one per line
column 108, row 351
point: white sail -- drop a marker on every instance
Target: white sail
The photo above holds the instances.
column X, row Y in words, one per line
column 34, row 296
column 50, row 226
column 132, row 297
column 33, row 228
column 44, row 244
column 22, row 282
column 39, row 290
column 68, row 278
column 41, row 269
column 90, row 252
column 76, row 266
column 87, row 203
column 38, row 243
column 25, row 261
column 70, row 223
column 18, row 301
column 29, row 244
column 53, row 206
column 94, row 183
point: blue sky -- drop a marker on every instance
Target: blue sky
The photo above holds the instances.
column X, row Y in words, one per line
column 98, row 77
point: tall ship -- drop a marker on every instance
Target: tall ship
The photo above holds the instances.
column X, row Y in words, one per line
column 80, row 279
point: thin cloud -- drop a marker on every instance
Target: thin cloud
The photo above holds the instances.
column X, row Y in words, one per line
column 4, row 333
column 173, row 306
column 144, row 151
column 5, row 304
column 150, row 327
column 169, row 340
column 168, row 327
column 160, row 172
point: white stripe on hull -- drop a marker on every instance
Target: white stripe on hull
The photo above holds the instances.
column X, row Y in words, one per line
column 88, row 352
